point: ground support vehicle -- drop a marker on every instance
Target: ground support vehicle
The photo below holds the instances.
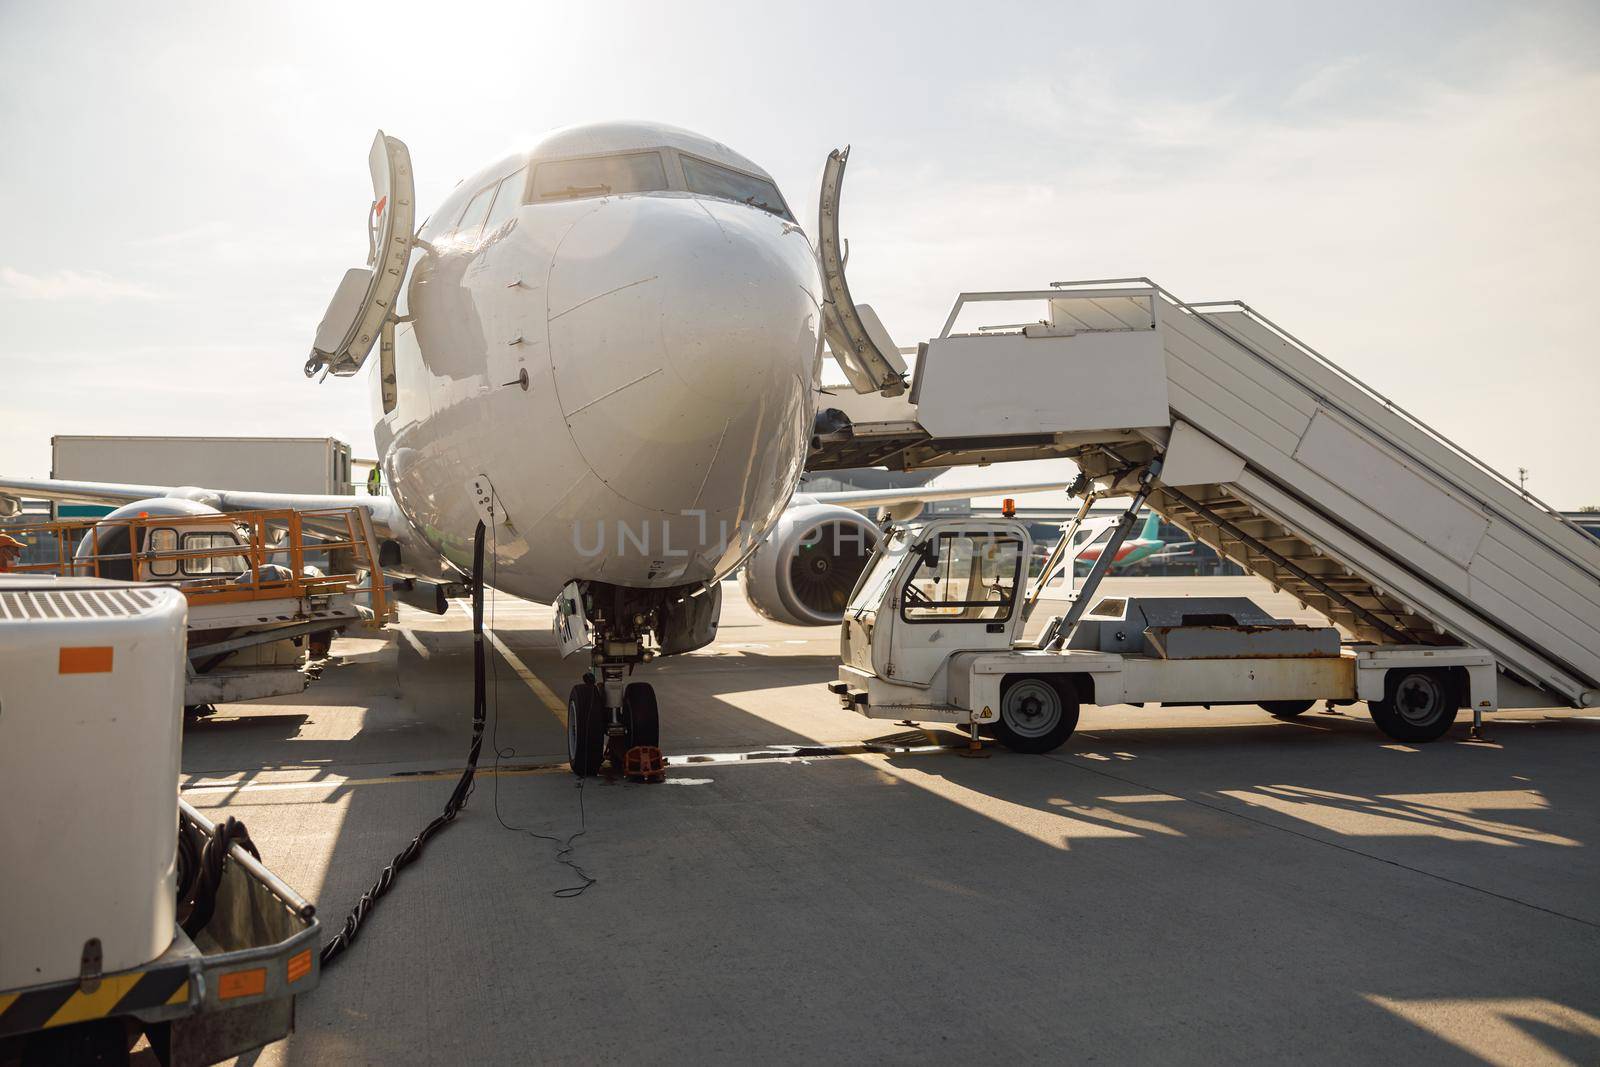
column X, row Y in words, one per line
column 933, row 634
column 229, row 989
column 304, row 465
column 1422, row 558
column 266, row 589
column 124, row 913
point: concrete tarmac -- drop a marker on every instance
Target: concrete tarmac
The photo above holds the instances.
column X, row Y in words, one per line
column 1172, row 886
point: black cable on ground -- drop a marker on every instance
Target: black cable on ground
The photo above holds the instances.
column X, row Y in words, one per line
column 564, row 846
column 458, row 797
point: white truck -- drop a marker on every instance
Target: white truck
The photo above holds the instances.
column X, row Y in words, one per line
column 933, row 633
column 311, row 465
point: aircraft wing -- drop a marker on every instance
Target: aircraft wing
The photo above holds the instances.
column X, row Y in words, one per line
column 385, row 515
column 87, row 492
column 922, row 494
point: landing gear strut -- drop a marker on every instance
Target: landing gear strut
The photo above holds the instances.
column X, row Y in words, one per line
column 609, row 717
column 609, row 720
column 605, row 712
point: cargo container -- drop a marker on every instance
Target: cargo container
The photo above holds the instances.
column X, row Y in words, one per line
column 309, row 465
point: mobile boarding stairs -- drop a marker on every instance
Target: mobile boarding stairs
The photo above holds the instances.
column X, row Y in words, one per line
column 1240, row 434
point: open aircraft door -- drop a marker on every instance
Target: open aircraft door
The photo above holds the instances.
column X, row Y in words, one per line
column 855, row 335
column 366, row 296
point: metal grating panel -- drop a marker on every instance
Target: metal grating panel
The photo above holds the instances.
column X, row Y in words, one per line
column 43, row 605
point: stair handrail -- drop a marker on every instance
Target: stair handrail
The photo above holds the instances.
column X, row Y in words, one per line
column 1197, row 311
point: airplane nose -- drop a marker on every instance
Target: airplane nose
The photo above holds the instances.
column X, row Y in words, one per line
column 683, row 335
column 736, row 308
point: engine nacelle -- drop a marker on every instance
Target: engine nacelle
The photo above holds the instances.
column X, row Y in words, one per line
column 803, row 573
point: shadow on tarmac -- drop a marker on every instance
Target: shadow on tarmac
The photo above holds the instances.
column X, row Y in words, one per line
column 1184, row 894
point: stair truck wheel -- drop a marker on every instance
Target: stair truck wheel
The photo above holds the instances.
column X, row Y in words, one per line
column 640, row 719
column 1417, row 705
column 586, row 729
column 1037, row 713
column 1287, row 709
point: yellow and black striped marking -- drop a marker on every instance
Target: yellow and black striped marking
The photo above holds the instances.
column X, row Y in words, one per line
column 118, row 994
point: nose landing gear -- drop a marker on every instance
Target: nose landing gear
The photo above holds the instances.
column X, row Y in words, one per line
column 608, row 717
column 610, row 720
column 602, row 727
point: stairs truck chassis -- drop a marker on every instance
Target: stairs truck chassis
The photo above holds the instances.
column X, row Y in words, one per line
column 932, row 634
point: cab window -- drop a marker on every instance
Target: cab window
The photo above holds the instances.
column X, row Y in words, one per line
column 211, row 565
column 162, row 541
column 507, row 198
column 574, row 179
column 963, row 577
column 708, row 179
column 885, row 561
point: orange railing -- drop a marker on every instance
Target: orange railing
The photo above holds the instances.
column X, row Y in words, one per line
column 266, row 559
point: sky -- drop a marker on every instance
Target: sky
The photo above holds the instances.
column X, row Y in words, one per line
column 1410, row 187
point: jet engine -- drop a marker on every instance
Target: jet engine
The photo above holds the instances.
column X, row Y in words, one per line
column 803, row 573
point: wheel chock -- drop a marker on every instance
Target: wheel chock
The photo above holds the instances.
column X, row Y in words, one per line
column 644, row 763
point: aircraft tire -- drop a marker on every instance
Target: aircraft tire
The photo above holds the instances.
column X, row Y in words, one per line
column 1416, row 706
column 586, row 730
column 1036, row 713
column 640, row 718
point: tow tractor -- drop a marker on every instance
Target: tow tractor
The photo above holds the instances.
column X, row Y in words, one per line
column 266, row 590
column 933, row 633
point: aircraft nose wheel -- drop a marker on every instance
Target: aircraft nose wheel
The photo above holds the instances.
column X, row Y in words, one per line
column 641, row 723
column 586, row 729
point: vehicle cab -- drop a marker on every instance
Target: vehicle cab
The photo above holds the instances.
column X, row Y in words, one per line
column 133, row 543
column 932, row 589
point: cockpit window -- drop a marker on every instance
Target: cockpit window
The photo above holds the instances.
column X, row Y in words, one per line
column 507, row 200
column 708, row 179
column 472, row 217
column 573, row 179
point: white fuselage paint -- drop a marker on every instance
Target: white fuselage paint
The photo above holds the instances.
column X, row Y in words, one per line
column 670, row 343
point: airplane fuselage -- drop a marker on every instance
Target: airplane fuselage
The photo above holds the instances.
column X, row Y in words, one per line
column 633, row 373
column 1129, row 552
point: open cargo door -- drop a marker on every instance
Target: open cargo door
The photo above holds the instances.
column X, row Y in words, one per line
column 855, row 336
column 367, row 294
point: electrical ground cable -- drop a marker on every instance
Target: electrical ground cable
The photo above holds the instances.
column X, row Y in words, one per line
column 458, row 797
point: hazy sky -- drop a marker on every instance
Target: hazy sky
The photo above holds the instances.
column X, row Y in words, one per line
column 1411, row 187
